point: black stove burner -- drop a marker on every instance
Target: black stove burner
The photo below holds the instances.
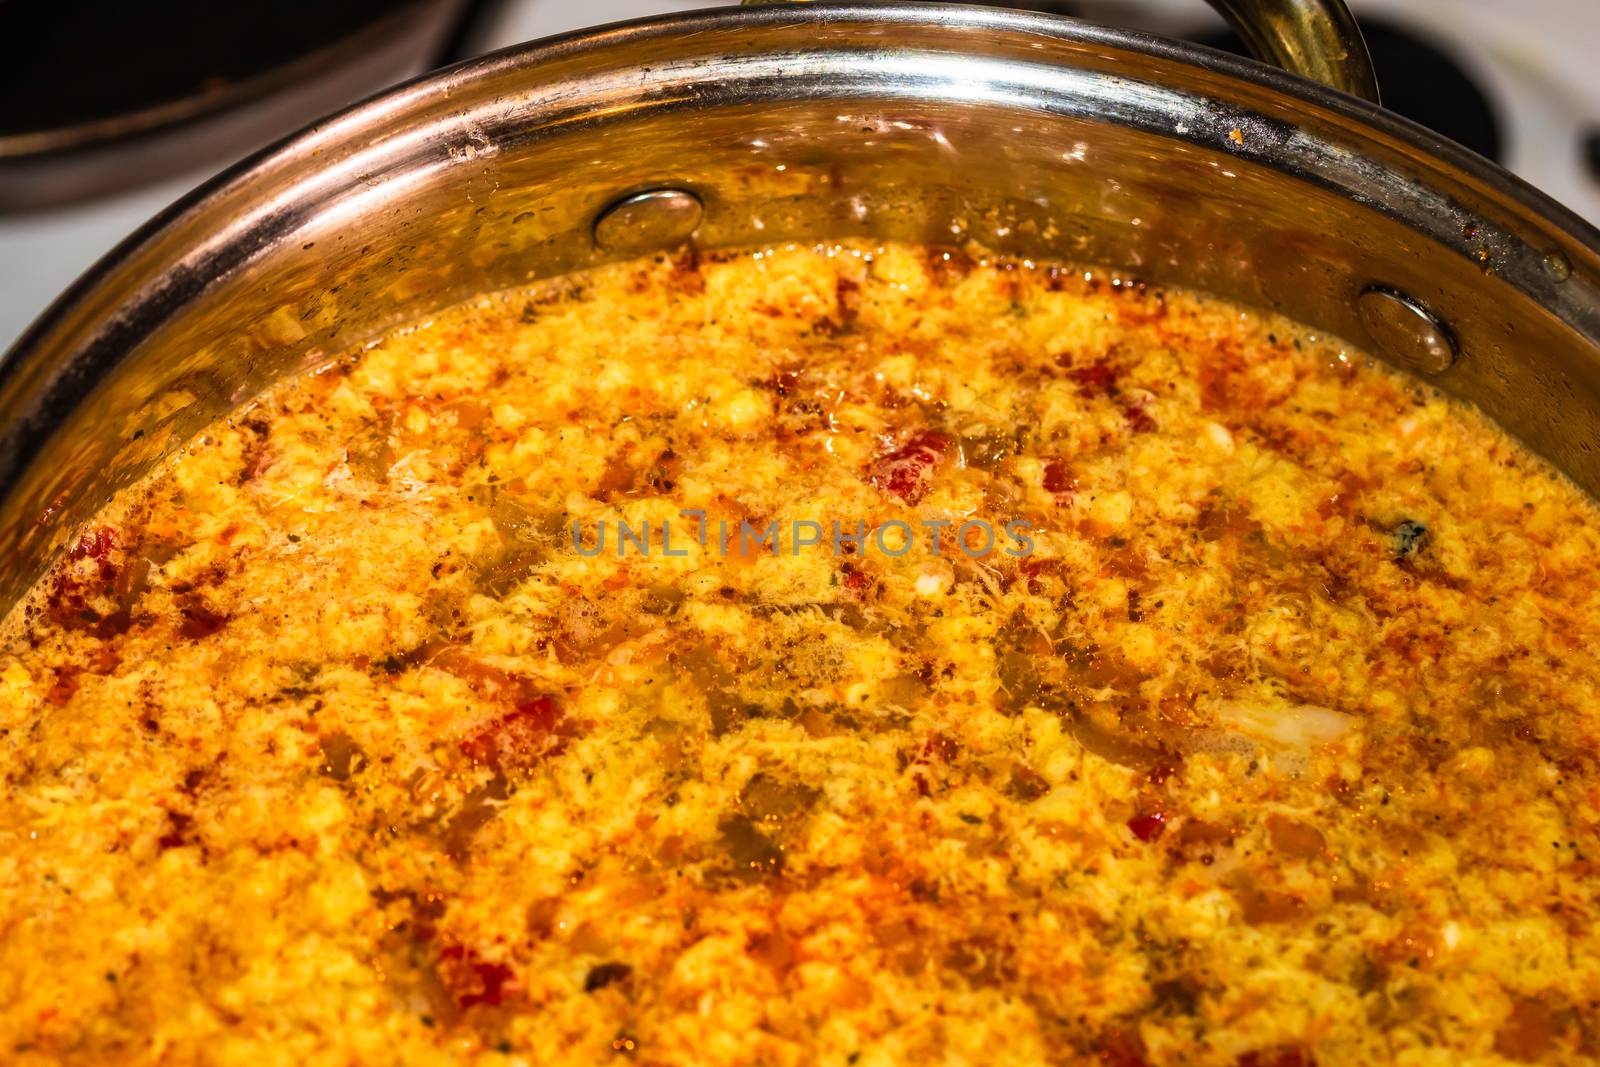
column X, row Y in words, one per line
column 101, row 95
column 105, row 59
column 1419, row 80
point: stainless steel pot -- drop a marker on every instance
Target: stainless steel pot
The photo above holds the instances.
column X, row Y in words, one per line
column 1035, row 135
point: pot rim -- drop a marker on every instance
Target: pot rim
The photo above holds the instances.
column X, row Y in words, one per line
column 1512, row 192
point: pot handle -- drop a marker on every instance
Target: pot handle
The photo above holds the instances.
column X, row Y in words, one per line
column 1316, row 39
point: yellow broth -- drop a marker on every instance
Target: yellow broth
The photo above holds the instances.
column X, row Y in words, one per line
column 327, row 744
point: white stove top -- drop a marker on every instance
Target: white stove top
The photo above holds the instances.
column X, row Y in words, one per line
column 1534, row 58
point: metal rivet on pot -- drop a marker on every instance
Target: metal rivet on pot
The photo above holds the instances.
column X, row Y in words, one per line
column 1405, row 331
column 648, row 221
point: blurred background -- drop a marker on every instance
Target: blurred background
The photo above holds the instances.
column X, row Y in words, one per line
column 110, row 112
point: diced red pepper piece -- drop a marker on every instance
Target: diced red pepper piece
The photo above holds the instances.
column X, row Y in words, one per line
column 178, row 833
column 1148, row 827
column 199, row 621
column 939, row 746
column 1277, row 1057
column 1058, row 477
column 908, row 471
column 472, row 979
column 1122, row 1048
column 68, row 601
column 1139, row 418
column 1097, row 379
column 519, row 738
column 96, row 543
